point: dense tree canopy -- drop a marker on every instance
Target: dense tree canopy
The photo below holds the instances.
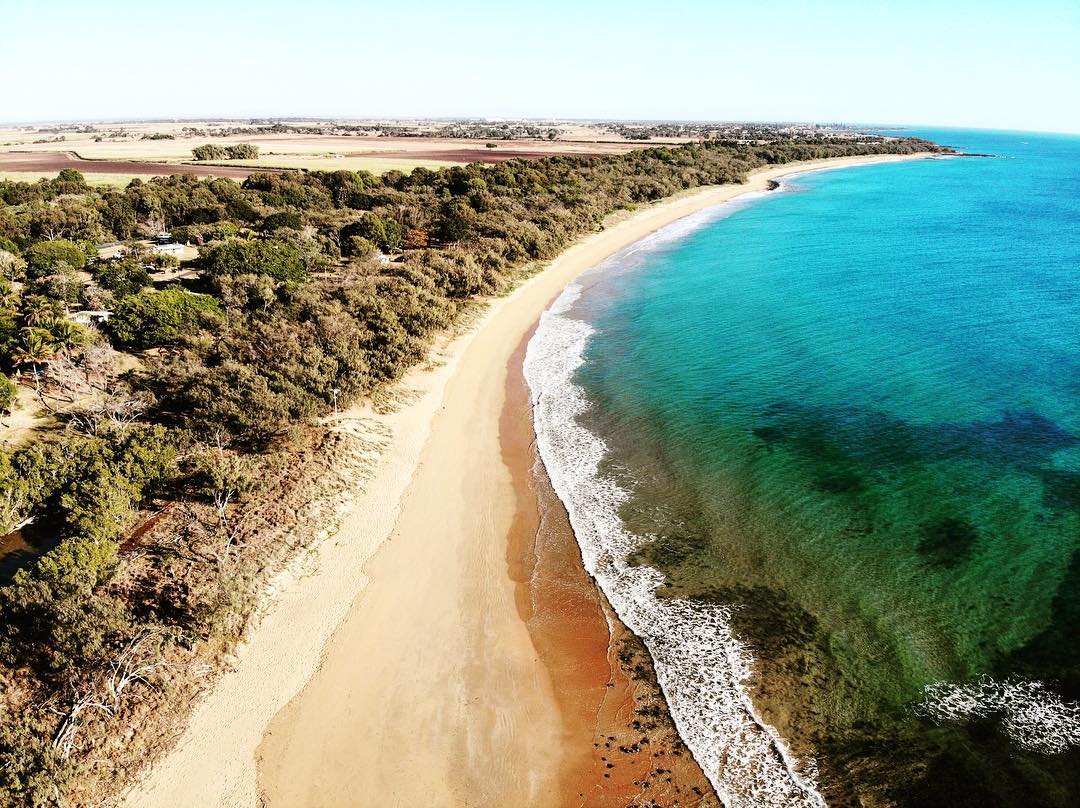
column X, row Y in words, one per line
column 123, row 277
column 149, row 318
column 279, row 260
column 45, row 256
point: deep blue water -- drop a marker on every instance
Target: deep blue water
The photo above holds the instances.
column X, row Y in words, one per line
column 849, row 408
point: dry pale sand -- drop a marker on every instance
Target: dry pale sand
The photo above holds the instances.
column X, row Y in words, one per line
column 400, row 672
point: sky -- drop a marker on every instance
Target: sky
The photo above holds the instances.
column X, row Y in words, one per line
column 1010, row 65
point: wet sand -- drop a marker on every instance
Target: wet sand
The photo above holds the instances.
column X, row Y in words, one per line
column 619, row 745
column 432, row 689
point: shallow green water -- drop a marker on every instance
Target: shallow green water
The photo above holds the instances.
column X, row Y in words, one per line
column 851, row 410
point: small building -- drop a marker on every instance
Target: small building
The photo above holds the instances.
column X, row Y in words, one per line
column 171, row 248
column 90, row 317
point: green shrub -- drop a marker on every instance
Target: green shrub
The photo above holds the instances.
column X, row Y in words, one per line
column 50, row 617
column 280, row 261
column 242, row 151
column 283, row 218
column 359, row 247
column 210, row 151
column 75, row 563
column 386, row 234
column 200, row 234
column 45, row 256
column 122, row 278
column 92, row 485
column 8, row 393
column 150, row 319
column 236, row 399
column 164, row 261
column 31, row 770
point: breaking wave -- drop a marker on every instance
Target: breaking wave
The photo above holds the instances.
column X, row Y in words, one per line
column 701, row 666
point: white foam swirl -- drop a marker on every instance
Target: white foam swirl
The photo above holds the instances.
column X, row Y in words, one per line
column 1033, row 716
column 701, row 666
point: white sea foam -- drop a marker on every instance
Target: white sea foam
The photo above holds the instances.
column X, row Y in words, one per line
column 1033, row 716
column 702, row 668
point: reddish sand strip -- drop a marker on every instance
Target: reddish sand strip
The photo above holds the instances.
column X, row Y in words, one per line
column 620, row 747
column 43, row 162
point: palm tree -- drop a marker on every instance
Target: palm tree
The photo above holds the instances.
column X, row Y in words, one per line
column 39, row 310
column 36, row 349
column 67, row 335
column 9, row 298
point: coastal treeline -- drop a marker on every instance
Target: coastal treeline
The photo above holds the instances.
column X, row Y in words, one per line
column 186, row 402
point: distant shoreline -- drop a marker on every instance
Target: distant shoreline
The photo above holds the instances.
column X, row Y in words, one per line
column 429, row 686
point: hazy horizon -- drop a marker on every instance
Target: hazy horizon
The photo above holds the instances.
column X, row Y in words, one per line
column 966, row 65
column 862, row 125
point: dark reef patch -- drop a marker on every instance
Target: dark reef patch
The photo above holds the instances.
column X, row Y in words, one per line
column 844, row 447
column 1025, row 439
column 948, row 541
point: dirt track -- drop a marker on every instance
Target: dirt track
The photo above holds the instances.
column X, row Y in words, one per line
column 57, row 161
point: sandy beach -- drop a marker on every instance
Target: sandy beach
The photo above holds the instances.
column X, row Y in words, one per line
column 416, row 657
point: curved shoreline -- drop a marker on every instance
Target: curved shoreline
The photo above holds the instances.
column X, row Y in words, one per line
column 701, row 666
column 374, row 676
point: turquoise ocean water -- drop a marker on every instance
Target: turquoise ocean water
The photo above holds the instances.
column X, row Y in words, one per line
column 838, row 427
